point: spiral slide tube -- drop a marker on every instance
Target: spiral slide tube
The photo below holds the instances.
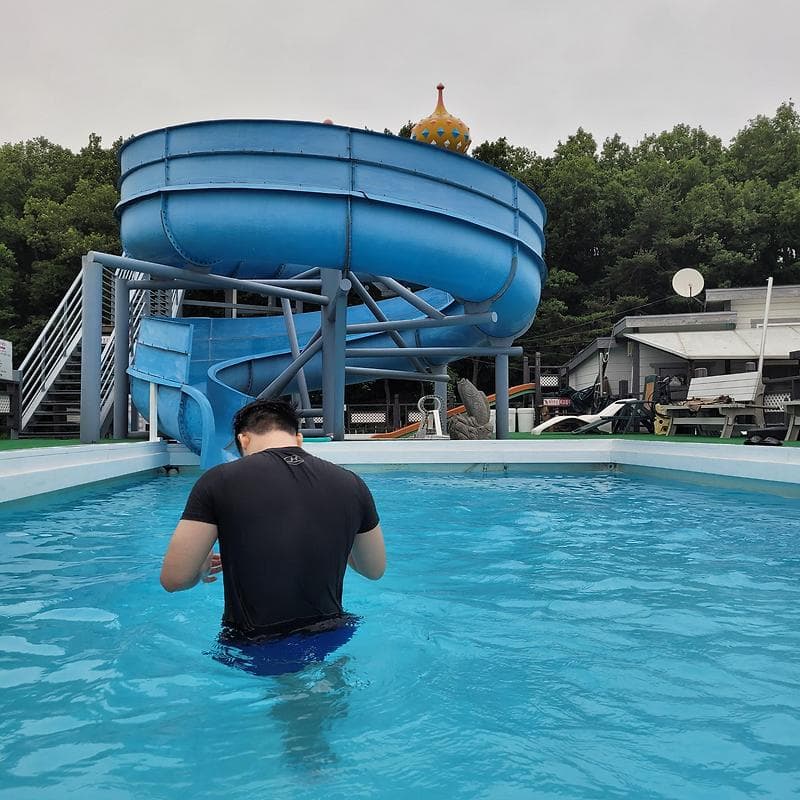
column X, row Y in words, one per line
column 268, row 200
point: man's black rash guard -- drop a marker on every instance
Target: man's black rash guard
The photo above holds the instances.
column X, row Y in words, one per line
column 286, row 523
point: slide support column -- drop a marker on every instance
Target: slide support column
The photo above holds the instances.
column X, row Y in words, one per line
column 501, row 396
column 334, row 323
column 122, row 335
column 91, row 333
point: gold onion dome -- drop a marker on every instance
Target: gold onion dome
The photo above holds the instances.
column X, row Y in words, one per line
column 442, row 129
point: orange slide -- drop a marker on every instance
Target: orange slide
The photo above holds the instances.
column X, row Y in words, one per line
column 514, row 391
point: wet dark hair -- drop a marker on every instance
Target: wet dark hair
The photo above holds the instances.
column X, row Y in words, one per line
column 262, row 416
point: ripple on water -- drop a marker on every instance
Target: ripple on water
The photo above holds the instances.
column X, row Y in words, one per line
column 54, row 759
column 535, row 636
column 18, row 644
column 77, row 615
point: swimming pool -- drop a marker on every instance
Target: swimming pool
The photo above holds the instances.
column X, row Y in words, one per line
column 573, row 635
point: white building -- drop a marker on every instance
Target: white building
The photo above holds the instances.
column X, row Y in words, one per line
column 723, row 338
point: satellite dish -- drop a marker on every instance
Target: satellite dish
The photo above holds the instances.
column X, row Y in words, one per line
column 688, row 282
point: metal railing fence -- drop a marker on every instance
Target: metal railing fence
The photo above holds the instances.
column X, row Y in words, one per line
column 60, row 338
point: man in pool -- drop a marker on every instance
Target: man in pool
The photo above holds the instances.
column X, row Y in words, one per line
column 288, row 524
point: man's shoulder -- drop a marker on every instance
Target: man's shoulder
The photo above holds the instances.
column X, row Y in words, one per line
column 336, row 471
column 214, row 475
column 324, row 464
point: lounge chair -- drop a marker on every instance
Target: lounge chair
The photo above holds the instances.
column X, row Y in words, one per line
column 569, row 423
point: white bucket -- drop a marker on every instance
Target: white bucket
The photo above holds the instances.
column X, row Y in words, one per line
column 524, row 420
column 512, row 420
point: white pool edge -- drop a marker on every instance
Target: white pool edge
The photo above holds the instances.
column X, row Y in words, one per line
column 32, row 472
column 41, row 470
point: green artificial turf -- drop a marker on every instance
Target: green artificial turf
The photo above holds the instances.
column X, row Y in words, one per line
column 28, row 444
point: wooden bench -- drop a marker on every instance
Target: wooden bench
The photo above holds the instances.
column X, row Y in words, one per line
column 745, row 390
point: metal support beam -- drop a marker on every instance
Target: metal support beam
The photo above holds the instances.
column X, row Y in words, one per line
column 334, row 323
column 311, row 432
column 501, row 396
column 285, row 378
column 309, row 273
column 122, row 345
column 153, row 422
column 397, row 374
column 292, row 334
column 340, row 292
column 410, row 297
column 214, row 281
column 91, row 332
column 265, row 311
column 291, row 283
column 382, row 319
column 422, row 322
column 149, row 284
column 433, row 352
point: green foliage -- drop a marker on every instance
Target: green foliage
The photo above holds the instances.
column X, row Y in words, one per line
column 55, row 205
column 8, row 268
column 405, row 130
column 622, row 220
column 520, row 162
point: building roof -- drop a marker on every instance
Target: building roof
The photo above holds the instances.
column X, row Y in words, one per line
column 701, row 320
column 750, row 293
column 740, row 345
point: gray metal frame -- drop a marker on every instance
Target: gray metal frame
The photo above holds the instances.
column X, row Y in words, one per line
column 338, row 360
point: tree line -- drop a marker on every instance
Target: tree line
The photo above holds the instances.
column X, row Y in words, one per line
column 55, row 206
column 621, row 220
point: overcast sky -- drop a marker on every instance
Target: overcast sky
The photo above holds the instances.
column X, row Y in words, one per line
column 530, row 70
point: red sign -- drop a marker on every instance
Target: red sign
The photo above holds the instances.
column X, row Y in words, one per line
column 556, row 402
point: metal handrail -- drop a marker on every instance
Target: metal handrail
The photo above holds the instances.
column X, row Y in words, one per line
column 51, row 351
column 169, row 300
column 61, row 336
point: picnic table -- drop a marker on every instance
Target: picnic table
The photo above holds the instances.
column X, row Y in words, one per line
column 719, row 401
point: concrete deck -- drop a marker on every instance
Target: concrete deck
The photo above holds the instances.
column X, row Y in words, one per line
column 30, row 472
column 34, row 471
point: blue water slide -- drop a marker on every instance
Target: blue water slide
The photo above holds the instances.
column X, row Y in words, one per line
column 266, row 199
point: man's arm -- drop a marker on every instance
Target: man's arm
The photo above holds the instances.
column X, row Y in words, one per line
column 188, row 558
column 368, row 556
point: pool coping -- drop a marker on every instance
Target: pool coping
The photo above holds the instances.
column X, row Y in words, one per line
column 37, row 471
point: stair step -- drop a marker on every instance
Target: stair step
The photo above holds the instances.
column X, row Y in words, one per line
column 43, row 430
column 64, row 424
column 65, row 399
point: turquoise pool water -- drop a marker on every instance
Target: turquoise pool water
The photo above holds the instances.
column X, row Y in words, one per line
column 585, row 635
